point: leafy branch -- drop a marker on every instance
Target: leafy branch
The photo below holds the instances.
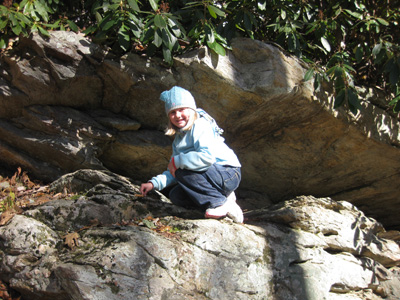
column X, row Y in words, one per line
column 349, row 43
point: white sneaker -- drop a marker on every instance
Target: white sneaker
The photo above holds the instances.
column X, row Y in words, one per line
column 217, row 212
column 229, row 208
column 235, row 213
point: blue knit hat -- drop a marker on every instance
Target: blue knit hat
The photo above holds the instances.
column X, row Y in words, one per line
column 177, row 97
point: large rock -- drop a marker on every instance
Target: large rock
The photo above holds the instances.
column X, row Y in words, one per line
column 66, row 104
column 108, row 243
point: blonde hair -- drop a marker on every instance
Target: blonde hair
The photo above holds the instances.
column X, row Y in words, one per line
column 172, row 129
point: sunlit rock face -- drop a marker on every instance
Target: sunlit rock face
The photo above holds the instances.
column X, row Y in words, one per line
column 66, row 104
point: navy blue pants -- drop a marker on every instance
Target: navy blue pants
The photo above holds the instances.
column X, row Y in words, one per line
column 206, row 189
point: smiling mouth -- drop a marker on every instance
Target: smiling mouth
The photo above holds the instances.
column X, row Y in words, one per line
column 180, row 123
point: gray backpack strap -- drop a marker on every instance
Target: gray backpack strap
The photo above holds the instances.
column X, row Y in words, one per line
column 203, row 114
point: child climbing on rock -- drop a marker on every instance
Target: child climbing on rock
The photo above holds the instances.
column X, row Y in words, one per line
column 205, row 170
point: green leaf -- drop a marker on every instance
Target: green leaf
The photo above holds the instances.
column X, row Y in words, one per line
column 27, row 7
column 166, row 37
column 221, row 39
column 338, row 12
column 359, row 53
column 317, row 81
column 262, row 5
column 331, row 70
column 171, row 39
column 175, row 44
column 3, row 24
column 174, row 27
column 149, row 34
column 377, row 48
column 348, row 68
column 16, row 29
column 394, row 100
column 73, row 26
column 43, row 31
column 354, row 14
column 380, row 56
column 55, row 25
column 123, row 38
column 114, row 7
column 154, row 4
column 108, row 24
column 134, row 29
column 291, row 42
column 312, row 28
column 325, row 44
column 167, row 55
column 210, row 33
column 247, row 22
column 337, row 73
column 157, row 38
column 395, row 103
column 41, row 10
column 214, row 11
column 339, row 99
column 134, row 19
column 159, row 21
column 3, row 43
column 23, row 3
column 382, row 21
column 98, row 17
column 22, row 18
column 354, row 102
column 217, row 48
column 309, row 74
column 283, row 14
column 89, row 30
column 133, row 4
column 13, row 19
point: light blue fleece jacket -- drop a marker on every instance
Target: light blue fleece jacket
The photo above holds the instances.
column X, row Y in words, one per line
column 197, row 149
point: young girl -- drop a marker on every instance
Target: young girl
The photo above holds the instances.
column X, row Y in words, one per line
column 205, row 169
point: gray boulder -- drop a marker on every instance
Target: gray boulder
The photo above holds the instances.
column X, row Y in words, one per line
column 109, row 243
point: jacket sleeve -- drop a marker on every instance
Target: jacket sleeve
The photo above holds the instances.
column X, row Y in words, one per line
column 201, row 157
column 163, row 180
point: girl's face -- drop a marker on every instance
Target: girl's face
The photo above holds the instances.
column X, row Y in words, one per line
column 180, row 117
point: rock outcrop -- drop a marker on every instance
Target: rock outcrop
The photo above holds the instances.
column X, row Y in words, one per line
column 109, row 243
column 66, row 104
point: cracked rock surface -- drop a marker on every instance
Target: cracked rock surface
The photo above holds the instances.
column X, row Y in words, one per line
column 130, row 247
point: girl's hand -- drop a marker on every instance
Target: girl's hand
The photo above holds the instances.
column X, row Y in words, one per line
column 146, row 187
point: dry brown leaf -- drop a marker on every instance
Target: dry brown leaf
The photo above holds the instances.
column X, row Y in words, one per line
column 43, row 199
column 4, row 295
column 164, row 228
column 6, row 216
column 13, row 179
column 71, row 240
